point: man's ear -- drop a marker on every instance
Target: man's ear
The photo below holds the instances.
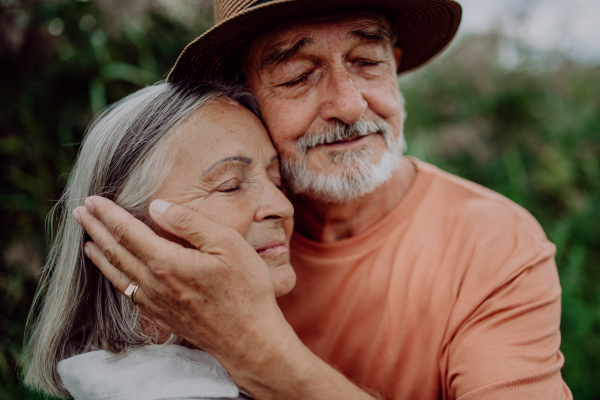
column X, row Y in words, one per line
column 397, row 56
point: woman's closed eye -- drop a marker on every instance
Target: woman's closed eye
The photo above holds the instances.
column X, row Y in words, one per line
column 230, row 186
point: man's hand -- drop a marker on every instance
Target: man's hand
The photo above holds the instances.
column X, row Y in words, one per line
column 218, row 295
column 208, row 297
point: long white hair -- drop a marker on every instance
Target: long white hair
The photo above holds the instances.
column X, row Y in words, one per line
column 124, row 157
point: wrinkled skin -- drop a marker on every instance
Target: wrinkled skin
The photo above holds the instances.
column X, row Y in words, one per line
column 233, row 179
column 339, row 76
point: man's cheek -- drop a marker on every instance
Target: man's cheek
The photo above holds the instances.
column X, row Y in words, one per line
column 273, row 111
column 282, row 139
column 288, row 227
column 390, row 104
column 285, row 131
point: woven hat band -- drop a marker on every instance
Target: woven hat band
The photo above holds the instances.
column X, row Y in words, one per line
column 226, row 8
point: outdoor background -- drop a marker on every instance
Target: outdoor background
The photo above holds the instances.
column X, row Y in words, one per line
column 514, row 105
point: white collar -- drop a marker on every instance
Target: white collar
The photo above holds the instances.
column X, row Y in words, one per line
column 155, row 372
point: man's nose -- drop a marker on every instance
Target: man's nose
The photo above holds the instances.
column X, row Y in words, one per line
column 343, row 99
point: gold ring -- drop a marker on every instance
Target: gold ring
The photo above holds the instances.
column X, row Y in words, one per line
column 131, row 291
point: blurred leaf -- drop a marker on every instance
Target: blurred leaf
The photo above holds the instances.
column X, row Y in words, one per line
column 128, row 73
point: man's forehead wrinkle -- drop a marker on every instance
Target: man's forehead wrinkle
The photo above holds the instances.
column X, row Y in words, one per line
column 375, row 33
column 270, row 55
column 277, row 55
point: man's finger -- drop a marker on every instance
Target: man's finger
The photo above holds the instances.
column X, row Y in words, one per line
column 114, row 253
column 114, row 275
column 130, row 232
column 186, row 224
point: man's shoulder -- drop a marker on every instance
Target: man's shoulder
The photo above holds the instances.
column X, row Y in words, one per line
column 463, row 189
column 494, row 238
column 475, row 205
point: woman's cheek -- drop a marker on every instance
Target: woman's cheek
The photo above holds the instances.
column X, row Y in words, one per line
column 234, row 213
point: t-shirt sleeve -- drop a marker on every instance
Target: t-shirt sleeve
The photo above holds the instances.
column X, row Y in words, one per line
column 503, row 339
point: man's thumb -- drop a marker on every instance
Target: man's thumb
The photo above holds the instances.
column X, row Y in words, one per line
column 190, row 226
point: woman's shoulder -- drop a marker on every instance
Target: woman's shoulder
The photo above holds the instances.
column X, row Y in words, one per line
column 164, row 371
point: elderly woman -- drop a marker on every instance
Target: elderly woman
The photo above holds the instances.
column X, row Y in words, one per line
column 193, row 146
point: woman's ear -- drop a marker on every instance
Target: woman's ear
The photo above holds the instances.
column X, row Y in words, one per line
column 397, row 56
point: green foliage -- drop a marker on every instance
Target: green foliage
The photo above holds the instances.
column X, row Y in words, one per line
column 531, row 133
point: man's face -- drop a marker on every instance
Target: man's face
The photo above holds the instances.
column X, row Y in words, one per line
column 316, row 78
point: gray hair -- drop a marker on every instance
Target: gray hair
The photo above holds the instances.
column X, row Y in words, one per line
column 124, row 157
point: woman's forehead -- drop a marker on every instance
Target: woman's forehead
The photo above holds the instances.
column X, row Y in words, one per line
column 223, row 115
column 220, row 129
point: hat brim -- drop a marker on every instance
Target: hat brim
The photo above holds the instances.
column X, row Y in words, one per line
column 425, row 27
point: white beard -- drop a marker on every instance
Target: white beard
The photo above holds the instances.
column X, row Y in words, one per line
column 353, row 175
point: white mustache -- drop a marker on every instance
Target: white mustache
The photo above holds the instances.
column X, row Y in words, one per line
column 339, row 131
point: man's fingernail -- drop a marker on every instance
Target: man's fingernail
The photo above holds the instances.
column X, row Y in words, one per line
column 77, row 216
column 159, row 206
column 86, row 250
column 89, row 205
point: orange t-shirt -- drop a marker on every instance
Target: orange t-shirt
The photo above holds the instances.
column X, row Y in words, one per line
column 453, row 295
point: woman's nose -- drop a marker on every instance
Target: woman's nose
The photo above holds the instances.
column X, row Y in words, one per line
column 274, row 205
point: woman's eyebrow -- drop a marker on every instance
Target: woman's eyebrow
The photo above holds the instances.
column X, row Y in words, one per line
column 245, row 160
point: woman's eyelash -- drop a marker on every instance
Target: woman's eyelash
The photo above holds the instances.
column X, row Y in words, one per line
column 230, row 190
column 230, row 186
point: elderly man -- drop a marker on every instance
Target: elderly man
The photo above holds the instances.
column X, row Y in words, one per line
column 411, row 283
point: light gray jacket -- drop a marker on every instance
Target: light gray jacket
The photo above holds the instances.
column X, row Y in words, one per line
column 156, row 372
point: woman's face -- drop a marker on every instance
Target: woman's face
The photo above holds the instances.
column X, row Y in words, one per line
column 226, row 169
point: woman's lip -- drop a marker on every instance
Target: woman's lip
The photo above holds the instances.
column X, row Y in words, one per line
column 275, row 247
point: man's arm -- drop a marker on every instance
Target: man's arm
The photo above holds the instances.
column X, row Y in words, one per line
column 503, row 338
column 218, row 295
column 509, row 346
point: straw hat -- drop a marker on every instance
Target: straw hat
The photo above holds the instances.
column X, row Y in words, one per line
column 425, row 27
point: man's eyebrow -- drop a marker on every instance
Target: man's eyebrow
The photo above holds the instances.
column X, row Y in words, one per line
column 278, row 55
column 245, row 160
column 377, row 34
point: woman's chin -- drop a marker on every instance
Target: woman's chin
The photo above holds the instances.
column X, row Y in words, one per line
column 284, row 279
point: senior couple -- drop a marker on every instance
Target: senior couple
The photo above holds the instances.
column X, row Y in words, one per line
column 183, row 276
